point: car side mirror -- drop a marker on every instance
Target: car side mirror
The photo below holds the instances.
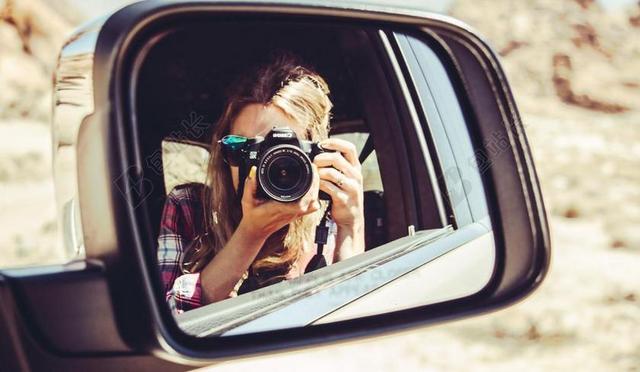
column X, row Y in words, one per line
column 457, row 225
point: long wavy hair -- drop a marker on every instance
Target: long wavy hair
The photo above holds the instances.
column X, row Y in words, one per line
column 303, row 95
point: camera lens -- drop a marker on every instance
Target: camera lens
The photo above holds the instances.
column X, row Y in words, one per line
column 285, row 173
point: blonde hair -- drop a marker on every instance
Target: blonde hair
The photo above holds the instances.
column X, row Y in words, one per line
column 304, row 96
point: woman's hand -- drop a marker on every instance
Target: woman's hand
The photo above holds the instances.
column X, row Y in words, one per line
column 341, row 177
column 262, row 218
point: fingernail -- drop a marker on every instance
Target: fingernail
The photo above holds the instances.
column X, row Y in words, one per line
column 252, row 172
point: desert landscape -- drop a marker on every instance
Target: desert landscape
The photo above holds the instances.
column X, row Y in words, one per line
column 575, row 70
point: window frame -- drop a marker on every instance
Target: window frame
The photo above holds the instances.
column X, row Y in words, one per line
column 418, row 158
column 435, row 91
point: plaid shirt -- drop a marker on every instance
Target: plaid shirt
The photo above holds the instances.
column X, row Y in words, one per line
column 182, row 222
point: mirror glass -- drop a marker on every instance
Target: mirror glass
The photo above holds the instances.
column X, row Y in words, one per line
column 306, row 173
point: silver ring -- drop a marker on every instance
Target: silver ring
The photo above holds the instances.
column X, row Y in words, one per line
column 341, row 181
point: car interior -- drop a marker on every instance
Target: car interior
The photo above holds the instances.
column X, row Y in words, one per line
column 180, row 92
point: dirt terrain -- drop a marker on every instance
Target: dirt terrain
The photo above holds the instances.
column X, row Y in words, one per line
column 31, row 34
column 575, row 71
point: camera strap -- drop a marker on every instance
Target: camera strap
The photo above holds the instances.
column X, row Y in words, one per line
column 322, row 235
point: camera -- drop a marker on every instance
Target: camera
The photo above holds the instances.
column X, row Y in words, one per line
column 283, row 165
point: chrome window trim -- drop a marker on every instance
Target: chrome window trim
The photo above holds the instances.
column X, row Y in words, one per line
column 72, row 103
column 449, row 129
column 433, row 178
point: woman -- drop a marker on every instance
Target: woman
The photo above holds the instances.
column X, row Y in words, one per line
column 212, row 245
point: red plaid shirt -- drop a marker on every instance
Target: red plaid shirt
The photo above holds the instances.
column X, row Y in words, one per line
column 182, row 222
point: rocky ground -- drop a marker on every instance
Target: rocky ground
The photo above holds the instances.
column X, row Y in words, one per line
column 30, row 36
column 574, row 70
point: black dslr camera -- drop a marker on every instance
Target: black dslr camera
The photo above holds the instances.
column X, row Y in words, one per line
column 283, row 164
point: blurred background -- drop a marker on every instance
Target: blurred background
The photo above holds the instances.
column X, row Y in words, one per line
column 574, row 66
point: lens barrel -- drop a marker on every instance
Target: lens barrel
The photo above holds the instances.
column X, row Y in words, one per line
column 285, row 173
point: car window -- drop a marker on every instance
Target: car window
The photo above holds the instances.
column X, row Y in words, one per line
column 183, row 163
column 372, row 180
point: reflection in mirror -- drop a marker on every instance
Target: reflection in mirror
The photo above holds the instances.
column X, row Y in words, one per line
column 302, row 184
